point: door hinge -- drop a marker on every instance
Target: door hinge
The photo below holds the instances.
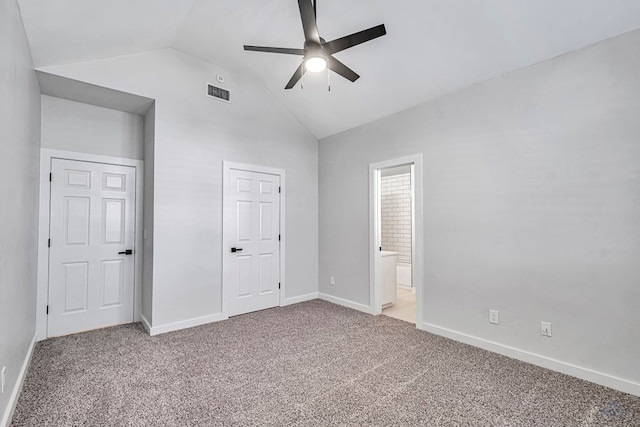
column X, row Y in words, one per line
column 50, row 176
column 278, row 237
column 278, row 285
column 279, row 189
column 49, row 243
column 47, row 309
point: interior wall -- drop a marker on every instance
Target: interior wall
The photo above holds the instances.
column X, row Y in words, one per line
column 147, row 235
column 395, row 215
column 78, row 127
column 531, row 207
column 19, row 162
column 193, row 135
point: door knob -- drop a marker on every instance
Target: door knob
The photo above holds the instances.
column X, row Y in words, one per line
column 236, row 249
column 127, row 252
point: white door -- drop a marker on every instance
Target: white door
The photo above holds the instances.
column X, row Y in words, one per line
column 91, row 263
column 252, row 230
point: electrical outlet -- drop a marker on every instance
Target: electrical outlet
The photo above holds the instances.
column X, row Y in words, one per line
column 494, row 317
column 545, row 329
column 332, row 281
column 4, row 374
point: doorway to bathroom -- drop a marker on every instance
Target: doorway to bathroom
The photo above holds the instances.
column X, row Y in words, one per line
column 396, row 238
column 396, row 242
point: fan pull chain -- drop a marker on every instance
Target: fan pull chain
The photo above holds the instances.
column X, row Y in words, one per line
column 302, row 80
column 328, row 76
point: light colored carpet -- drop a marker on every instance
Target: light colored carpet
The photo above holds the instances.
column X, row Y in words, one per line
column 308, row 364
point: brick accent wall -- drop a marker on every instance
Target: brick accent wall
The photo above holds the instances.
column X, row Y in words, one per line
column 396, row 215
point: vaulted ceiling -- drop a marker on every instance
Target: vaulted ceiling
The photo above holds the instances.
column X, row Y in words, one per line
column 432, row 47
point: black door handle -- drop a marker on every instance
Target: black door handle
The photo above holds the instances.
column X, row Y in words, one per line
column 127, row 252
column 236, row 249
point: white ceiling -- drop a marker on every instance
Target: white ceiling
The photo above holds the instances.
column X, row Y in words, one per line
column 432, row 47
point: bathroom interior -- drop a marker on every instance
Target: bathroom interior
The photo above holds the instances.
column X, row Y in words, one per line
column 396, row 216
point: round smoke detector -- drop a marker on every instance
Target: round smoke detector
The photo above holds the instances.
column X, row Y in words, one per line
column 220, row 78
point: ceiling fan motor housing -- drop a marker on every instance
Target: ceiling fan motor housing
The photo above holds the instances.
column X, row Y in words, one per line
column 315, row 52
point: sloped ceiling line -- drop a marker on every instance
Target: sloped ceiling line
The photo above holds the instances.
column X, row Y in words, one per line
column 432, row 48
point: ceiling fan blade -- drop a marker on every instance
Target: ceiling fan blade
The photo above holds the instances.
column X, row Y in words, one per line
column 354, row 39
column 309, row 24
column 339, row 68
column 296, row 76
column 284, row 50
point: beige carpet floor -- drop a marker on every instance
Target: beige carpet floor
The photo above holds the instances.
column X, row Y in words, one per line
column 310, row 364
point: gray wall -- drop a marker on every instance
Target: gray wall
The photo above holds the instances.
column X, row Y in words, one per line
column 193, row 135
column 531, row 206
column 19, row 162
column 75, row 126
column 147, row 268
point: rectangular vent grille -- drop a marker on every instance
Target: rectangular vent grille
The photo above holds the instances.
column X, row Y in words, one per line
column 218, row 93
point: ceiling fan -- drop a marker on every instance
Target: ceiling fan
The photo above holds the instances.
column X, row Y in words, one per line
column 317, row 53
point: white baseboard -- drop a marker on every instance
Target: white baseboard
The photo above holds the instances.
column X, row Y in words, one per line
column 300, row 298
column 345, row 303
column 537, row 359
column 15, row 393
column 145, row 323
column 183, row 324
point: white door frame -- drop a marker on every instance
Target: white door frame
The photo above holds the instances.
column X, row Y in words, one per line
column 42, row 287
column 226, row 239
column 417, row 266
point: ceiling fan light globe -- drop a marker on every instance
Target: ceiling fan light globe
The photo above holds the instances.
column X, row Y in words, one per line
column 315, row 64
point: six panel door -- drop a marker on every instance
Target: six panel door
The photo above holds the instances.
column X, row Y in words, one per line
column 92, row 225
column 252, row 220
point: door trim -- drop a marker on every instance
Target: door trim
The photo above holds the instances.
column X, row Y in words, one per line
column 42, row 287
column 418, row 233
column 226, row 167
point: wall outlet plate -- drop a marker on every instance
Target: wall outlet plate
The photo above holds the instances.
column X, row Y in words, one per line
column 3, row 380
column 545, row 329
column 332, row 281
column 494, row 317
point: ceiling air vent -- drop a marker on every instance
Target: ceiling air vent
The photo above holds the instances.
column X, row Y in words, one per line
column 218, row 93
